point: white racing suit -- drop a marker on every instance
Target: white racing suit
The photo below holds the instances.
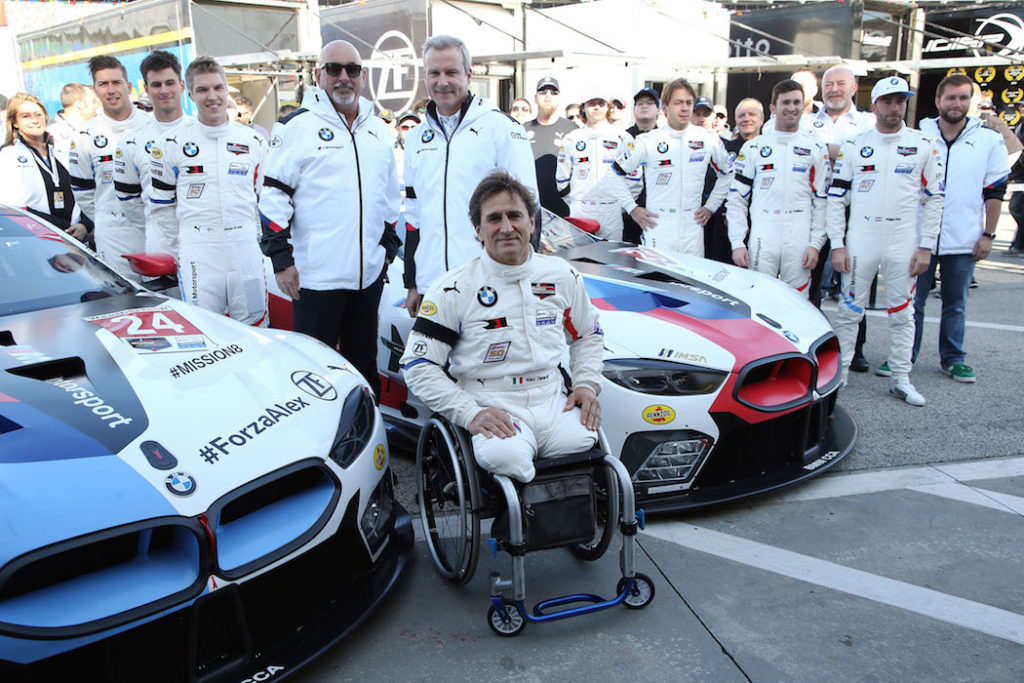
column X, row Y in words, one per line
column 586, row 156
column 674, row 164
column 884, row 179
column 503, row 329
column 132, row 181
column 204, row 190
column 91, row 166
column 782, row 180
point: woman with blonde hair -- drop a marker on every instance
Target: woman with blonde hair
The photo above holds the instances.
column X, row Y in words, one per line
column 31, row 177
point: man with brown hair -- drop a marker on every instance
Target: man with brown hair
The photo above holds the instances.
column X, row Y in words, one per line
column 80, row 104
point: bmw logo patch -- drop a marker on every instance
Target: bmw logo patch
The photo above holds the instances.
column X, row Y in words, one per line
column 100, row 141
column 662, row 147
column 190, row 149
column 326, row 134
column 180, row 483
column 819, row 124
column 894, row 80
column 790, row 336
column 766, row 151
column 487, row 296
column 149, row 146
column 866, row 151
column 22, row 159
column 427, row 136
column 580, row 146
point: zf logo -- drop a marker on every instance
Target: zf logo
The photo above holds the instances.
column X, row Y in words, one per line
column 314, row 385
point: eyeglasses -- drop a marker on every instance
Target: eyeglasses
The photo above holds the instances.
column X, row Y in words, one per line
column 719, row 115
column 334, row 69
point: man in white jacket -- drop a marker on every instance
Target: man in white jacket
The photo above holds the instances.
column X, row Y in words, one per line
column 329, row 205
column 500, row 324
column 462, row 138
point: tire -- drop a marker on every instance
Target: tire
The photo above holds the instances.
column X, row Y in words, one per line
column 513, row 627
column 605, row 530
column 448, row 491
column 642, row 593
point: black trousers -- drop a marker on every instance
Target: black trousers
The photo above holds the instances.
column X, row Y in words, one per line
column 346, row 320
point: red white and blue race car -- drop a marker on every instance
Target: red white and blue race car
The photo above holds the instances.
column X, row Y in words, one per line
column 181, row 497
column 719, row 382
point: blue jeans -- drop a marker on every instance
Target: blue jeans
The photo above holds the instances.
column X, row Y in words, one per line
column 1017, row 211
column 956, row 271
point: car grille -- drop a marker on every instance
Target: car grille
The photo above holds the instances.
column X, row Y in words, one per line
column 77, row 586
column 750, row 450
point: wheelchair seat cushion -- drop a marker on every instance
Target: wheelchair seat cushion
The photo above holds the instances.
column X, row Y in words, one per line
column 594, row 455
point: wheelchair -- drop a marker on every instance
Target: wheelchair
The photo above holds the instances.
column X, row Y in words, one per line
column 455, row 493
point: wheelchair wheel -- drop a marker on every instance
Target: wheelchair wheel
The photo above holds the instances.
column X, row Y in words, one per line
column 513, row 627
column 605, row 529
column 449, row 499
column 642, row 593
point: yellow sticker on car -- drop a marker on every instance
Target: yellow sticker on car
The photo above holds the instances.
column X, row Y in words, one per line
column 379, row 456
column 659, row 415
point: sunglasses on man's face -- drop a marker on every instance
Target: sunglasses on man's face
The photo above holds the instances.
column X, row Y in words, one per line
column 719, row 115
column 334, row 69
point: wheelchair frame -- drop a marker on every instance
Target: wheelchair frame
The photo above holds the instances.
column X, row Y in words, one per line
column 448, row 484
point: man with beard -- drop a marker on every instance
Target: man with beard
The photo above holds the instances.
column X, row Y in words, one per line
column 885, row 175
column 545, row 134
column 91, row 164
column 463, row 138
column 329, row 205
column 977, row 167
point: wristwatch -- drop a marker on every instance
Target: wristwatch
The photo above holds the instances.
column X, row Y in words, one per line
column 990, row 235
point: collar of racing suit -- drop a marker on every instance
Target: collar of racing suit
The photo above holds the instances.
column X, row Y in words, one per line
column 507, row 273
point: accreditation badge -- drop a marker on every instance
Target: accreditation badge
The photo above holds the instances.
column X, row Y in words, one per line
column 58, row 200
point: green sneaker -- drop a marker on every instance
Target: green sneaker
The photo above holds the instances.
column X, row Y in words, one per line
column 883, row 370
column 961, row 373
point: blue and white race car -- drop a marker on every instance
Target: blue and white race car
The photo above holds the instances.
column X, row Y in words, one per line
column 179, row 494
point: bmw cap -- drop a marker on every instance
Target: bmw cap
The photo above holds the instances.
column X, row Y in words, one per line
column 703, row 102
column 893, row 85
column 647, row 92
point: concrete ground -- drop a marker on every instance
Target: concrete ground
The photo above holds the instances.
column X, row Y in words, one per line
column 903, row 563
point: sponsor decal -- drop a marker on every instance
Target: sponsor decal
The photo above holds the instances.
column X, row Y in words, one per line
column 275, row 141
column 155, row 152
column 662, row 147
column 487, row 296
column 870, row 168
column 767, row 182
column 269, row 418
column 427, row 308
column 695, row 144
column 118, row 154
column 193, row 170
column 906, row 151
column 149, row 146
column 658, row 414
column 237, row 148
column 180, row 483
column 25, row 354
column 326, row 134
column 611, row 144
column 867, row 151
column 236, row 168
column 580, row 146
column 497, row 352
column 204, row 361
column 264, row 674
column 515, row 135
column 496, row 324
column 108, row 176
column 158, row 456
column 379, row 456
column 100, row 141
column 88, row 399
column 419, row 348
column 663, row 178
column 542, row 289
column 683, row 355
column 427, row 136
column 905, row 169
column 22, row 159
column 529, row 379
column 162, row 323
column 314, row 385
column 696, row 157
column 827, row 458
column 546, row 318
column 790, row 336
column 801, row 151
column 195, row 190
column 766, row 152
column 190, row 149
column 800, row 167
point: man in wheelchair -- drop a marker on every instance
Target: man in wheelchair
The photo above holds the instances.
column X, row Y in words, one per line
column 501, row 324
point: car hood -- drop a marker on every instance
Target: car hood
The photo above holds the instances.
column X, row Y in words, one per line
column 152, row 407
column 744, row 313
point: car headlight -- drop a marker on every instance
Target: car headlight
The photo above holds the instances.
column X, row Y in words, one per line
column 376, row 520
column 354, row 428
column 663, row 378
column 674, row 460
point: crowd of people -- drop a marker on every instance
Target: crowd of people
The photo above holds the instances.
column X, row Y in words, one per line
column 800, row 189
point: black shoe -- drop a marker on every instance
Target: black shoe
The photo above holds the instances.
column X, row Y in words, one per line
column 859, row 363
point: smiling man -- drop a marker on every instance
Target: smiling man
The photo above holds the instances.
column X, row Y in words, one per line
column 161, row 73
column 500, row 325
column 463, row 138
column 91, row 164
column 205, row 175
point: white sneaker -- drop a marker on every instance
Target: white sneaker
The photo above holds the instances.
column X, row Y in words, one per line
column 905, row 391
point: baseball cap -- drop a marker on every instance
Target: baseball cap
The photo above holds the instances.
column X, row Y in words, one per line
column 893, row 85
column 409, row 115
column 547, row 82
column 703, row 101
column 647, row 92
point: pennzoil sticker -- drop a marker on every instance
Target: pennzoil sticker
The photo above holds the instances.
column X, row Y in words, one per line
column 658, row 414
column 379, row 456
column 428, row 308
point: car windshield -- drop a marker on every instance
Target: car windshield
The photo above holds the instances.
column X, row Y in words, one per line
column 39, row 269
column 558, row 234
